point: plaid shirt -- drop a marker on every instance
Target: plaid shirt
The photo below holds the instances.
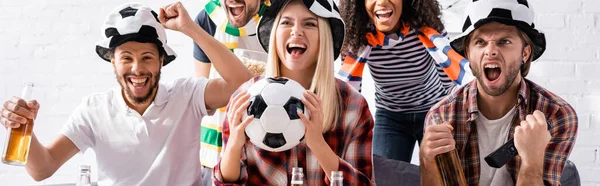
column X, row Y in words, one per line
column 350, row 139
column 460, row 109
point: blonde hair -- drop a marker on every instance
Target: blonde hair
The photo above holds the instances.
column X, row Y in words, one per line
column 323, row 81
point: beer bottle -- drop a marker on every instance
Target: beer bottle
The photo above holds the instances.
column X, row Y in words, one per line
column 297, row 177
column 84, row 176
column 16, row 146
column 451, row 172
column 337, row 178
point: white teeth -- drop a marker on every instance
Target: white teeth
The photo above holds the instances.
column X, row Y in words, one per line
column 383, row 12
column 492, row 66
column 236, row 6
column 296, row 45
column 142, row 80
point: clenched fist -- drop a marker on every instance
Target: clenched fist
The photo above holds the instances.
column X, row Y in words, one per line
column 532, row 137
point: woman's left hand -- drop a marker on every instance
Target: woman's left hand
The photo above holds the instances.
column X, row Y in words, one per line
column 314, row 126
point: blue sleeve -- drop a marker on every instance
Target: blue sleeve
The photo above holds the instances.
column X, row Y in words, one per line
column 209, row 26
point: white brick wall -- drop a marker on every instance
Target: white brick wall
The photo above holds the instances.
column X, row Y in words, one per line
column 51, row 43
column 570, row 68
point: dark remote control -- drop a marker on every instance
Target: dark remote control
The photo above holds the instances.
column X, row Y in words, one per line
column 502, row 155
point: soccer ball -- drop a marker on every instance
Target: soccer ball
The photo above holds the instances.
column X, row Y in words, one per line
column 276, row 126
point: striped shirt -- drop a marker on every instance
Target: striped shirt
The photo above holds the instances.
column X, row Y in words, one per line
column 460, row 109
column 406, row 77
column 412, row 69
column 350, row 139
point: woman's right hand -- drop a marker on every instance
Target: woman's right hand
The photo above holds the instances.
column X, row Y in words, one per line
column 235, row 114
column 17, row 111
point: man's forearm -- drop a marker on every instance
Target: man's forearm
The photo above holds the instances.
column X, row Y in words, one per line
column 531, row 174
column 38, row 161
column 429, row 174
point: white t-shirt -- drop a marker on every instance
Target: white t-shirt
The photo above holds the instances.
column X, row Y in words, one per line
column 159, row 147
column 492, row 134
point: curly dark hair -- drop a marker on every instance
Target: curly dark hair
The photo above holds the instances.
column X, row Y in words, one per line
column 416, row 13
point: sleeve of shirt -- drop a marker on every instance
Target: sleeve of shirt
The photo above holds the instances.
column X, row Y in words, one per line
column 564, row 132
column 204, row 21
column 198, row 86
column 218, row 177
column 357, row 163
column 436, row 110
column 78, row 128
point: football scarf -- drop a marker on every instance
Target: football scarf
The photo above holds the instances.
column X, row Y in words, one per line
column 454, row 65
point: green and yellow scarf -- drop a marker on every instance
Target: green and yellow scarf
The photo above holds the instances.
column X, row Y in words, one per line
column 227, row 34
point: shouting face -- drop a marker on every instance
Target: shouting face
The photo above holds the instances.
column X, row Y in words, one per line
column 239, row 12
column 137, row 67
column 385, row 14
column 297, row 37
column 496, row 52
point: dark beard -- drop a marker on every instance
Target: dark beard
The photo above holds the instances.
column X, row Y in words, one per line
column 139, row 100
column 510, row 78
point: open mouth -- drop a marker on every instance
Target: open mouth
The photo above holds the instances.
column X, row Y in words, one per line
column 383, row 15
column 236, row 9
column 138, row 82
column 295, row 49
column 492, row 72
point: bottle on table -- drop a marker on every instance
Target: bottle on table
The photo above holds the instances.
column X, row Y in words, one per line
column 297, row 177
column 84, row 176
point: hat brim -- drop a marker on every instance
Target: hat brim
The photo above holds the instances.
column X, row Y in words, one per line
column 537, row 38
column 265, row 27
column 104, row 46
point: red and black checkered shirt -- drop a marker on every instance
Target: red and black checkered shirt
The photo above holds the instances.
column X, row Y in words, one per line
column 460, row 109
column 350, row 139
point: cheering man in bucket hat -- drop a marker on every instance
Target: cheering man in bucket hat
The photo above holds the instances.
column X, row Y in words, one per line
column 500, row 40
column 144, row 132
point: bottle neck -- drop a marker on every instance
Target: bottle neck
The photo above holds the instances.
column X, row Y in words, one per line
column 337, row 182
column 336, row 178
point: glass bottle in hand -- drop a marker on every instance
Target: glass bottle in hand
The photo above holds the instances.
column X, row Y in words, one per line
column 451, row 172
column 16, row 146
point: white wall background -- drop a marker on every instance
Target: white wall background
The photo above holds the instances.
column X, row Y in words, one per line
column 51, row 43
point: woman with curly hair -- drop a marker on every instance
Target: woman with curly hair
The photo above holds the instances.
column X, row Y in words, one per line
column 410, row 61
